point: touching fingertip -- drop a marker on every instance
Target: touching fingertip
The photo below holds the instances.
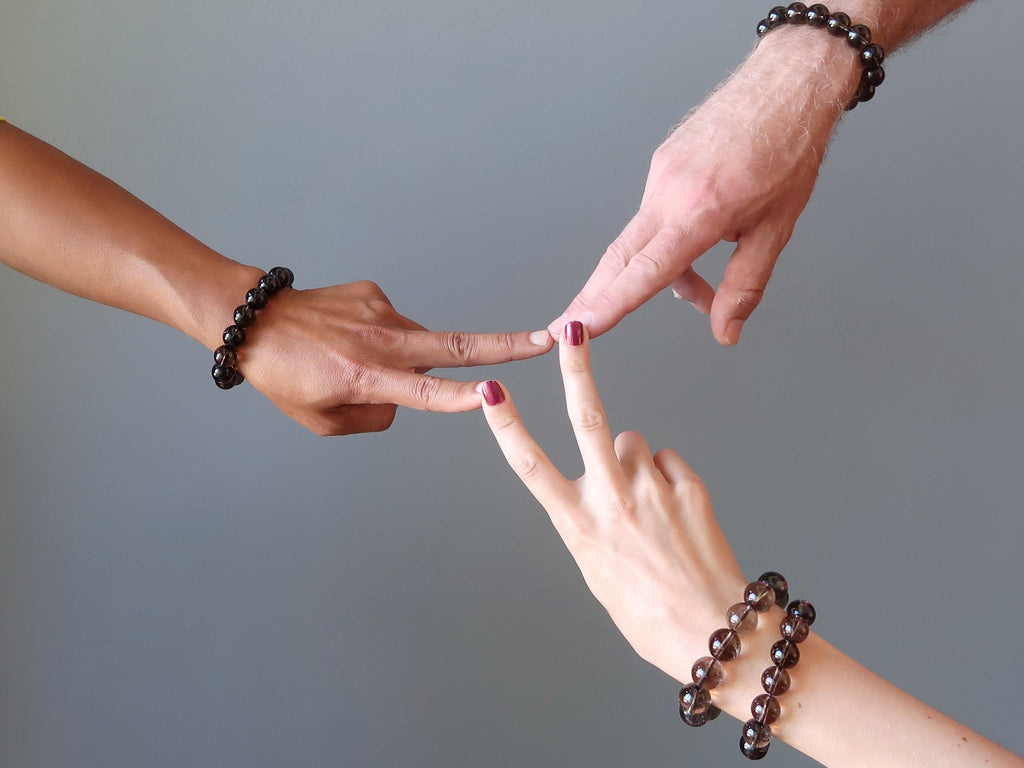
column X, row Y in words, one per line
column 574, row 333
column 492, row 392
column 540, row 338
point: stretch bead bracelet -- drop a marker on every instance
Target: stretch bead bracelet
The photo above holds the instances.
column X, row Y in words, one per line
column 225, row 357
column 695, row 707
column 756, row 736
column 870, row 55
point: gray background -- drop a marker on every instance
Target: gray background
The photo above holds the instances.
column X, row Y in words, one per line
column 189, row 578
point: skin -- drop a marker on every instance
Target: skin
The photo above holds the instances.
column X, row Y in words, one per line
column 643, row 533
column 741, row 168
column 337, row 360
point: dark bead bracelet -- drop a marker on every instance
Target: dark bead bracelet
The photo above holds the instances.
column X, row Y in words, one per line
column 756, row 736
column 225, row 358
column 870, row 55
column 695, row 707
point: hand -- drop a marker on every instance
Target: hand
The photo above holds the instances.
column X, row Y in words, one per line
column 640, row 527
column 741, row 168
column 341, row 360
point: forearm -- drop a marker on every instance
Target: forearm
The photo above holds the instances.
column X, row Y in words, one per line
column 812, row 60
column 842, row 714
column 66, row 225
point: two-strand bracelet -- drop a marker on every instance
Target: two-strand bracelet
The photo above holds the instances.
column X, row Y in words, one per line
column 695, row 706
column 225, row 357
column 870, row 55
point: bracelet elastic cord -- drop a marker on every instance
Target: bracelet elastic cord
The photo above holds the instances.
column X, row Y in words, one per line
column 870, row 55
column 225, row 357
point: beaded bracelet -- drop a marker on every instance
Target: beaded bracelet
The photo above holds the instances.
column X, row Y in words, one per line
column 225, row 357
column 695, row 707
column 870, row 55
column 756, row 736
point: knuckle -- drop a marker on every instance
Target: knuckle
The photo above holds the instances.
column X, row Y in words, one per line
column 527, row 465
column 460, row 345
column 427, row 391
column 747, row 299
column 588, row 418
column 504, row 422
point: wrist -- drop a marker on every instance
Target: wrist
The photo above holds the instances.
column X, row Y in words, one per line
column 208, row 293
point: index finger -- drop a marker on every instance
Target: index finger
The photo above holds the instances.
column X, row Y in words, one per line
column 456, row 349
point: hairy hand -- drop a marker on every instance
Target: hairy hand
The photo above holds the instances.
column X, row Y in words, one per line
column 340, row 360
column 741, row 169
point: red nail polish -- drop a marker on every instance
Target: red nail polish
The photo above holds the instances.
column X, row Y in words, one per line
column 493, row 394
column 574, row 333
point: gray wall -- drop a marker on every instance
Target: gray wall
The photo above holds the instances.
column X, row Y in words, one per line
column 189, row 578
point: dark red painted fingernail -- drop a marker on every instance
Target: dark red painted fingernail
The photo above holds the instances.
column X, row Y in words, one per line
column 493, row 393
column 574, row 333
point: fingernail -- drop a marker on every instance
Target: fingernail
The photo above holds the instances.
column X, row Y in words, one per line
column 574, row 333
column 677, row 294
column 492, row 392
column 540, row 338
column 732, row 331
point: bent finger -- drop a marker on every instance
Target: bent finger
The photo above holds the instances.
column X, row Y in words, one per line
column 742, row 288
column 694, row 289
column 528, row 461
column 455, row 349
column 634, row 455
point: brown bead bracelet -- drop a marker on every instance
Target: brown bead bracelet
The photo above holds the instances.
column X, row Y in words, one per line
column 225, row 357
column 870, row 55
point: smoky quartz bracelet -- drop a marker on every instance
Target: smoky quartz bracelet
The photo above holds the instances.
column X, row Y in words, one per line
column 695, row 707
column 756, row 736
column 870, row 55
column 225, row 357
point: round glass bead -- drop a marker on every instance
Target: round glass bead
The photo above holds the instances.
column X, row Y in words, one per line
column 225, row 356
column 284, row 276
column 759, row 596
column 758, row 735
column 858, row 36
column 775, row 681
column 816, row 15
column 776, row 17
column 763, row 27
column 765, row 708
column 269, row 283
column 795, row 13
column 803, row 609
column 724, row 644
column 742, row 618
column 693, row 700
column 794, row 628
column 234, row 336
column 245, row 316
column 223, row 374
column 752, row 753
column 226, row 384
column 872, row 54
column 873, row 76
column 785, row 654
column 774, row 579
column 707, row 672
column 838, row 24
column 866, row 93
column 239, row 378
column 256, row 298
